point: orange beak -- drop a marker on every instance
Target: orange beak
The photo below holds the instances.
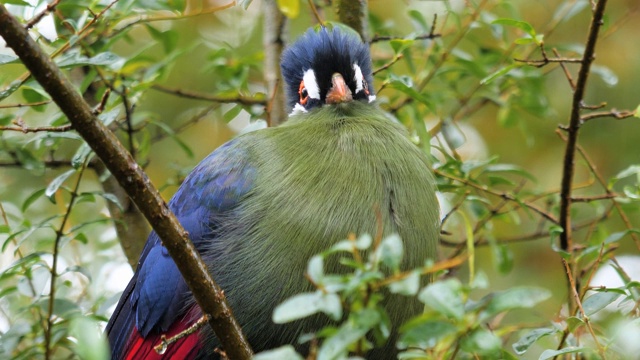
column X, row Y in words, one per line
column 339, row 91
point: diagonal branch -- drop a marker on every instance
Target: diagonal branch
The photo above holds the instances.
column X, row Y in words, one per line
column 207, row 293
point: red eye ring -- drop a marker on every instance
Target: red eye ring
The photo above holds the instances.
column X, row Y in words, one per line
column 365, row 87
column 304, row 95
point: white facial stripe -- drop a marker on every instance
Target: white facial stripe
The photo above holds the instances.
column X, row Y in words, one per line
column 298, row 109
column 358, row 78
column 372, row 98
column 311, row 84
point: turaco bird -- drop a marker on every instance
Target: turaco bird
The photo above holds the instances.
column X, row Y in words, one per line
column 262, row 204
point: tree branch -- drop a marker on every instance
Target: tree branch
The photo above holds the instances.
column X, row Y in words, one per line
column 207, row 293
column 574, row 126
column 274, row 31
column 353, row 13
column 568, row 168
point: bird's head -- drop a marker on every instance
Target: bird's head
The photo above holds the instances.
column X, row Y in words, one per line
column 326, row 67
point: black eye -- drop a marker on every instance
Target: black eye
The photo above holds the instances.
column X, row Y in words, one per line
column 304, row 95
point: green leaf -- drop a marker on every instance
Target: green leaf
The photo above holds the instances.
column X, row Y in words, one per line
column 283, row 352
column 514, row 298
column 419, row 19
column 481, row 341
column 424, row 334
column 315, row 269
column 91, row 343
column 401, row 84
column 522, row 25
column 408, row 286
column 606, row 74
column 390, row 251
column 16, row 2
column 108, row 117
column 499, row 73
column 76, row 59
column 549, row 354
column 290, row 8
column 444, row 297
column 244, row 3
column 81, row 155
column 35, row 95
column 503, row 258
column 567, row 10
column 31, row 199
column 522, row 345
column 168, row 39
column 232, row 113
column 351, row 331
column 400, row 45
column 305, row 304
column 452, row 134
column 10, row 90
column 629, row 171
column 598, row 301
column 55, row 184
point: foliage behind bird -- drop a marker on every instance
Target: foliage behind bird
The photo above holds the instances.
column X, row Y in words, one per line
column 261, row 205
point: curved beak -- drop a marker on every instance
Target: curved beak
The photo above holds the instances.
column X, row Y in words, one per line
column 339, row 91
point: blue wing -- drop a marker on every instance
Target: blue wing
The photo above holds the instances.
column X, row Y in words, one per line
column 154, row 299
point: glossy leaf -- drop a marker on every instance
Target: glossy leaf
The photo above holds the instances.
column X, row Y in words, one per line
column 523, row 344
column 355, row 328
column 598, row 301
column 283, row 352
column 55, row 184
column 515, row 298
column 305, row 304
column 445, row 297
column 482, row 342
column 549, row 354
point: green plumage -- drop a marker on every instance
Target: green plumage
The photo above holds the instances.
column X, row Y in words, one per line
column 319, row 177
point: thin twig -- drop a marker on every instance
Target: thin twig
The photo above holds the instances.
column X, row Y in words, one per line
column 39, row 103
column 165, row 342
column 388, row 65
column 587, row 322
column 574, row 126
column 378, row 38
column 147, row 19
column 128, row 111
column 312, row 5
column 443, row 57
column 54, row 273
column 545, row 61
column 619, row 115
column 503, row 195
column 603, row 183
column 21, row 127
column 607, row 196
column 226, row 99
column 36, row 19
column 567, row 74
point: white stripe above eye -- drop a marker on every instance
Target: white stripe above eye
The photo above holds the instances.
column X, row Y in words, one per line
column 359, row 78
column 311, row 84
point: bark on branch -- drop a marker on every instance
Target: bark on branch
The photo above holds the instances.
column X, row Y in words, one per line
column 133, row 179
